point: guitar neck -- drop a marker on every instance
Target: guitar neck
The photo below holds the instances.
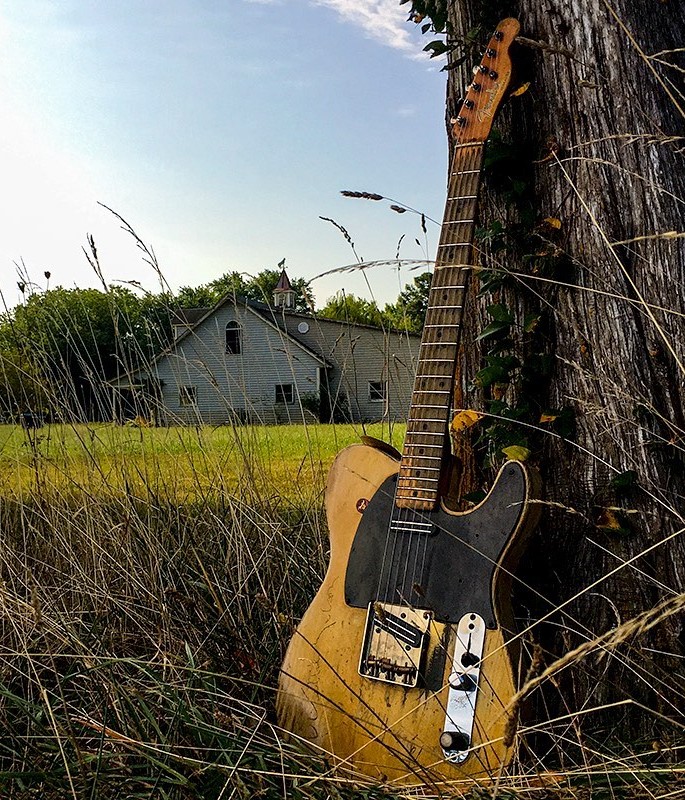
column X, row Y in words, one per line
column 428, row 423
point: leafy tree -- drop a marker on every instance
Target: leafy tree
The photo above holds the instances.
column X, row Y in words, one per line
column 260, row 287
column 409, row 311
column 60, row 346
column 348, row 308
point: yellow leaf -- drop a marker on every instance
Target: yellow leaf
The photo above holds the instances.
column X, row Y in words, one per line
column 553, row 222
column 516, row 453
column 547, row 417
column 465, row 419
column 608, row 520
column 523, row 88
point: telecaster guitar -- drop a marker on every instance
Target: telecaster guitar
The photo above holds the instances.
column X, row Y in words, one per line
column 400, row 667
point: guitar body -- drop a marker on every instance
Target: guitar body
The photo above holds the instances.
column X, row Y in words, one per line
column 384, row 730
column 404, row 664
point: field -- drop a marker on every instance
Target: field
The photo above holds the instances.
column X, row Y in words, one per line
column 150, row 580
column 179, row 465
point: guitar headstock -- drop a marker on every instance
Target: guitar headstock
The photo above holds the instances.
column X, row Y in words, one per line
column 490, row 82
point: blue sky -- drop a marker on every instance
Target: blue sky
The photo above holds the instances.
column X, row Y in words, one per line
column 221, row 131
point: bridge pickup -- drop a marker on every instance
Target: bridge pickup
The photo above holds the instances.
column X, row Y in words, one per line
column 394, row 643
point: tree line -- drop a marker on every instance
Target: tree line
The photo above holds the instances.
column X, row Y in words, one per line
column 59, row 347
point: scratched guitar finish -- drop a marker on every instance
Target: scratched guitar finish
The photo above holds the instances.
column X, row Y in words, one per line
column 400, row 667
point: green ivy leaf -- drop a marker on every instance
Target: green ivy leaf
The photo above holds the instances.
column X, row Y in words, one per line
column 500, row 313
column 492, row 330
column 625, row 481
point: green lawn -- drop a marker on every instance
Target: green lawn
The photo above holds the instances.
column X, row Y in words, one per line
column 177, row 463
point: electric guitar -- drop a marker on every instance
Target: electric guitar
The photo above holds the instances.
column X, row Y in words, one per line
column 400, row 668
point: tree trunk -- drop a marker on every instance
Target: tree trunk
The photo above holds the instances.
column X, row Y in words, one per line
column 588, row 186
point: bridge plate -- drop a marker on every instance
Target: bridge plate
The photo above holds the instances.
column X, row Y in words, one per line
column 394, row 643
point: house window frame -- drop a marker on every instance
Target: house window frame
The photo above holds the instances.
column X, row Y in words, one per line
column 287, row 397
column 236, row 334
column 187, row 396
column 378, row 391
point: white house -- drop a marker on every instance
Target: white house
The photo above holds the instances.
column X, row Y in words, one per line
column 249, row 361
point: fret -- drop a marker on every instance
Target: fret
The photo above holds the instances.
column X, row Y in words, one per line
column 418, row 484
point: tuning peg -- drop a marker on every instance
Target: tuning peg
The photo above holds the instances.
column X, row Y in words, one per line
column 499, row 36
column 468, row 103
column 490, row 53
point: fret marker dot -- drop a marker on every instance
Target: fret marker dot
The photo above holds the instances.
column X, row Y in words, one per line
column 421, row 451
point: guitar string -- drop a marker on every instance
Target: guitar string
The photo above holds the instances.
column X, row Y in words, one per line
column 451, row 270
column 462, row 176
column 456, row 186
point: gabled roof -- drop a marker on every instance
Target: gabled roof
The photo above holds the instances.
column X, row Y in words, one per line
column 253, row 306
column 187, row 316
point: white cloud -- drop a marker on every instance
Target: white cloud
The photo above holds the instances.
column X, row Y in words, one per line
column 384, row 20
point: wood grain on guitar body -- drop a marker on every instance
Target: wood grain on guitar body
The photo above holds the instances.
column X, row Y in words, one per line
column 400, row 667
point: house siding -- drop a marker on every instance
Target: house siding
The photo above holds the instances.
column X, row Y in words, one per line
column 360, row 354
column 230, row 387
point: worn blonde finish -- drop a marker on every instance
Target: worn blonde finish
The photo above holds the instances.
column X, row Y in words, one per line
column 382, row 730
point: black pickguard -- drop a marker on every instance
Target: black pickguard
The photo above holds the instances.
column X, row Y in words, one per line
column 449, row 570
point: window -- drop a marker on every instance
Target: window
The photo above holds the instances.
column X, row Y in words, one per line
column 187, row 395
column 285, row 393
column 233, row 337
column 378, row 390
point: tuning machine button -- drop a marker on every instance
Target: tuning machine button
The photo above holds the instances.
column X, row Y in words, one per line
column 468, row 104
column 461, row 121
column 490, row 53
column 499, row 36
column 492, row 74
column 476, row 86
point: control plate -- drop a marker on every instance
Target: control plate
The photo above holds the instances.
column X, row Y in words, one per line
column 455, row 739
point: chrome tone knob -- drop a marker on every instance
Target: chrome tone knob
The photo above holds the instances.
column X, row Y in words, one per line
column 451, row 741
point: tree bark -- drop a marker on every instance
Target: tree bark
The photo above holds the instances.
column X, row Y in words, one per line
column 600, row 150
